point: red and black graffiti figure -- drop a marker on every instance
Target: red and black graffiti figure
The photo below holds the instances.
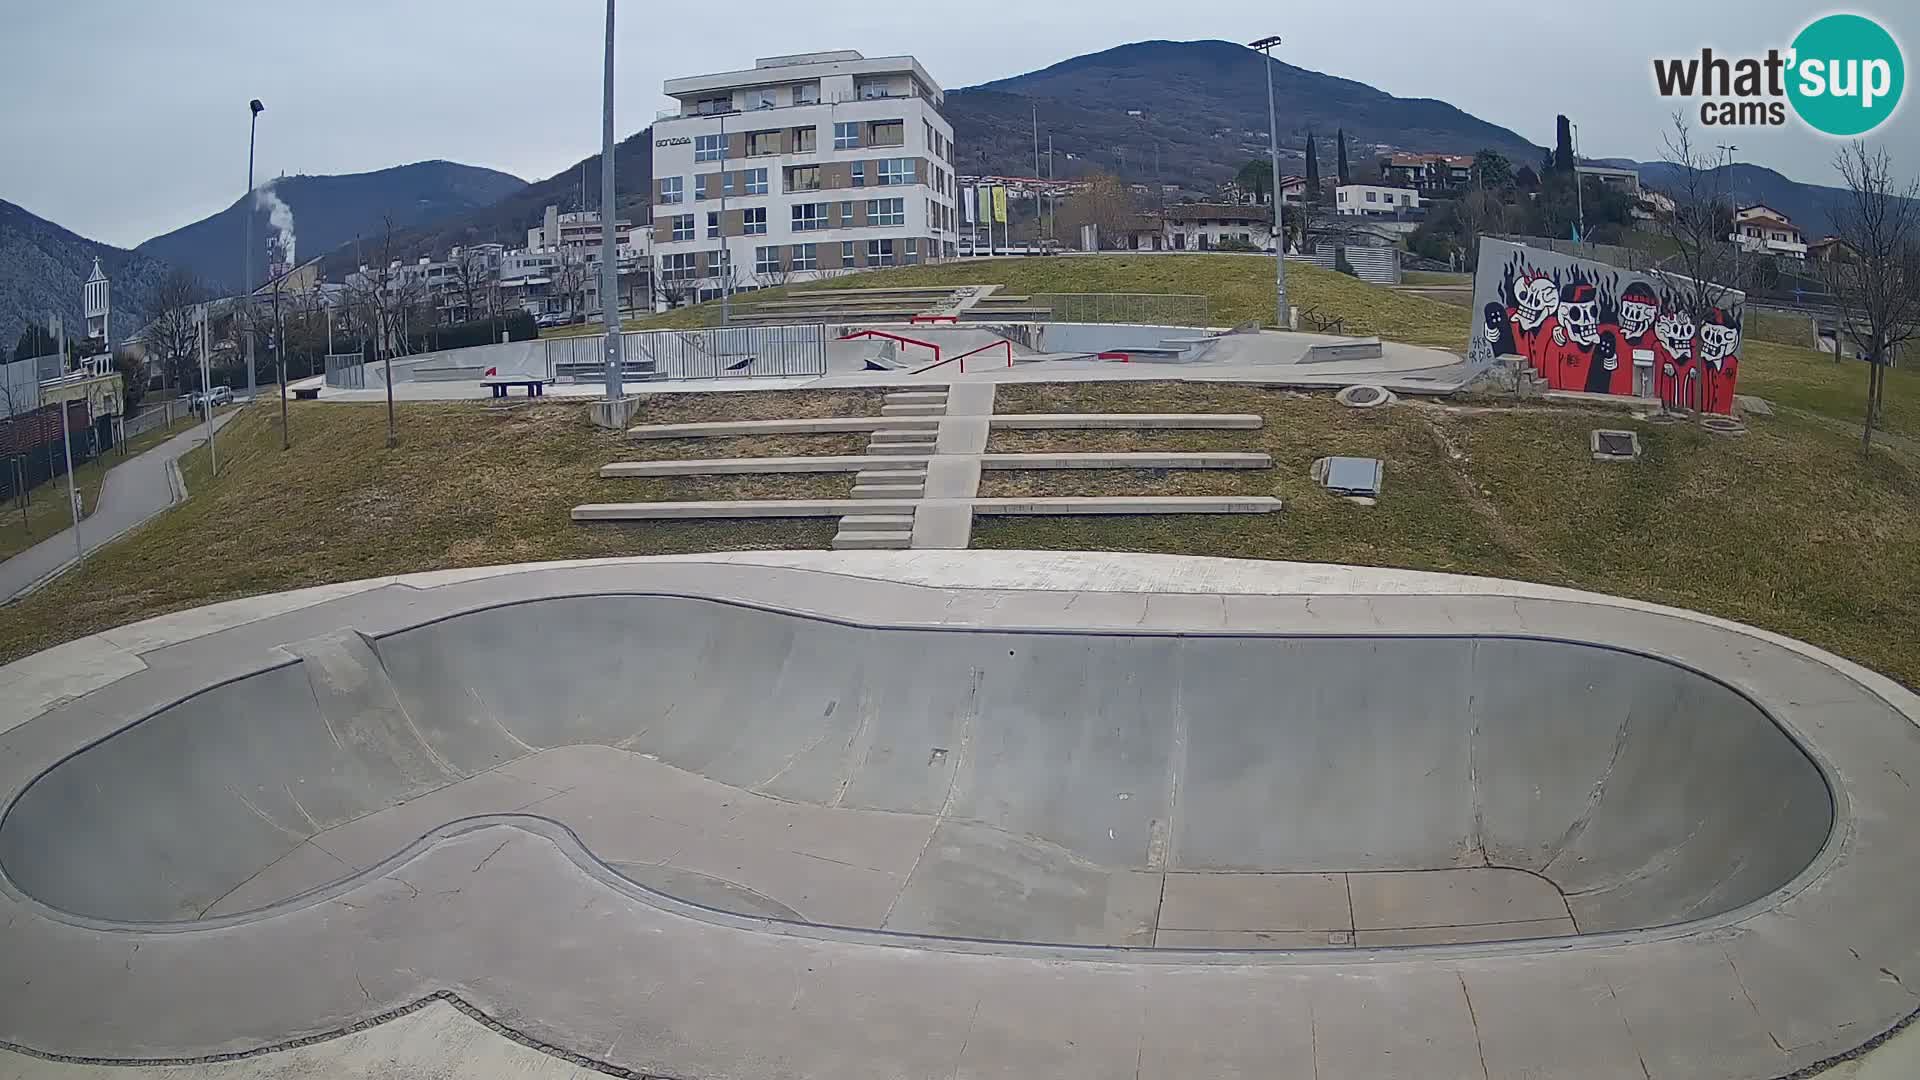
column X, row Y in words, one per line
column 1634, row 340
column 1535, row 300
column 1676, row 381
column 1719, row 337
column 1580, row 357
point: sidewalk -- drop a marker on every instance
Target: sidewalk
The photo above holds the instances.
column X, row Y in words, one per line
column 132, row 492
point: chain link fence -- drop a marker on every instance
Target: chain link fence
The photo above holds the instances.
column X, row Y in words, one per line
column 735, row 352
column 346, row 371
column 1151, row 309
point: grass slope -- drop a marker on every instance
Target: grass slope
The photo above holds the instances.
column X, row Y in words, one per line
column 46, row 510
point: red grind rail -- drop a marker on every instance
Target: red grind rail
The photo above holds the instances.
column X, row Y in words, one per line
column 1124, row 358
column 989, row 345
column 894, row 337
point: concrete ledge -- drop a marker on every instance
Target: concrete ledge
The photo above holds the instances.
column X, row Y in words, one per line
column 825, row 463
column 1126, row 461
column 739, row 508
column 616, row 413
column 815, row 425
column 1362, row 349
column 1048, row 421
column 1219, row 504
column 1623, row 402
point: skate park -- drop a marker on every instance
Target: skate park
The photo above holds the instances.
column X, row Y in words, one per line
column 905, row 337
column 1069, row 813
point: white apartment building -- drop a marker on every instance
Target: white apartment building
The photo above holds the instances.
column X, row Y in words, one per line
column 1761, row 228
column 1374, row 199
column 805, row 166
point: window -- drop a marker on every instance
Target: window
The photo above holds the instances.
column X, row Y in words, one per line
column 806, row 94
column 671, row 189
column 756, row 181
column 846, row 214
column 805, row 257
column 808, row 217
column 683, row 227
column 762, row 143
column 846, row 136
column 699, row 188
column 869, row 91
column 1343, row 196
column 803, row 178
column 763, row 98
column 932, row 139
column 713, row 224
column 879, row 253
column 766, row 260
column 726, row 183
column 859, row 172
column 886, row 212
column 1370, row 196
column 754, row 220
column 894, row 171
column 889, row 133
column 678, row 267
column 846, row 253
column 803, row 139
column 714, row 105
column 1403, row 199
column 709, row 147
column 913, row 251
column 717, row 262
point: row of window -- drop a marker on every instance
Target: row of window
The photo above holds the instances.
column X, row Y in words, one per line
column 846, row 136
column 774, row 259
column 807, row 217
column 886, row 172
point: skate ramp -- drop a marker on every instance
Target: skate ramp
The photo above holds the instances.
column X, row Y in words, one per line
column 1194, row 791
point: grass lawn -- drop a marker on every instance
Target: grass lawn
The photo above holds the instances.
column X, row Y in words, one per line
column 1786, row 528
column 1813, row 382
column 46, row 511
column 470, row 485
column 1238, row 287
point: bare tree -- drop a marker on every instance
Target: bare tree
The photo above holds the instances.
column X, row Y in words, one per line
column 1875, row 280
column 1700, row 227
column 171, row 336
column 381, row 295
column 1105, row 202
column 472, row 279
column 570, row 276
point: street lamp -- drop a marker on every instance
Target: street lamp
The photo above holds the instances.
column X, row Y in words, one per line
column 609, row 255
column 1579, row 188
column 1265, row 46
column 246, row 285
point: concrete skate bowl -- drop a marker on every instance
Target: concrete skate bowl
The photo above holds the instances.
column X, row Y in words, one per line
column 1103, row 789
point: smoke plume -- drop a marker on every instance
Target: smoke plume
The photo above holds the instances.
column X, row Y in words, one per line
column 280, row 215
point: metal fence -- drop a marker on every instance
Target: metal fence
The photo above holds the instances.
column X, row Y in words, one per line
column 347, row 371
column 158, row 415
column 1153, row 309
column 734, row 352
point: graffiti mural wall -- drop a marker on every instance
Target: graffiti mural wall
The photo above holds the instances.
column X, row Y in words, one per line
column 1584, row 325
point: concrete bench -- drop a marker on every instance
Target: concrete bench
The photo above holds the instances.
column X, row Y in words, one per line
column 306, row 393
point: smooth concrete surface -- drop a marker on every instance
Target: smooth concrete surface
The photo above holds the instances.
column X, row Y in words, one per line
column 533, row 919
column 805, row 426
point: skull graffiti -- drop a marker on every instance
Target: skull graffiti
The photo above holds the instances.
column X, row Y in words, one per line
column 1579, row 313
column 1675, row 329
column 1537, row 300
column 1638, row 307
column 1718, row 338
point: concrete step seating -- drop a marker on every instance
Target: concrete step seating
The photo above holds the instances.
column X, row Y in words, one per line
column 916, row 397
column 888, row 491
column 914, row 410
column 861, row 540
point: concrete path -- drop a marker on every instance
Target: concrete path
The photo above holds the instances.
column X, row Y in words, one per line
column 134, row 491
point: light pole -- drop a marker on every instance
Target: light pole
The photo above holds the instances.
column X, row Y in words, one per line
column 726, row 263
column 1265, row 46
column 246, row 285
column 609, row 267
column 1579, row 188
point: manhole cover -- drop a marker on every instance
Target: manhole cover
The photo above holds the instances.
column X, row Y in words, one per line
column 1615, row 445
column 1723, row 425
column 1363, row 397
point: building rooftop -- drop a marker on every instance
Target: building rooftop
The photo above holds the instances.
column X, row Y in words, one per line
column 799, row 67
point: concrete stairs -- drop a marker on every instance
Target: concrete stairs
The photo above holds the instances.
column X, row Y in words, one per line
column 907, row 480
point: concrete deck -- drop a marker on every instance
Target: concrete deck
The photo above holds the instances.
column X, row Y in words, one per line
column 1740, row 874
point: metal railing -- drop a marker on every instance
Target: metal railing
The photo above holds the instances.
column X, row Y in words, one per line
column 734, row 352
column 346, row 371
column 1153, row 309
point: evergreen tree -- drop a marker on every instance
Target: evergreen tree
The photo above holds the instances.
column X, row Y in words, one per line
column 1563, row 145
column 1341, row 165
column 1313, row 172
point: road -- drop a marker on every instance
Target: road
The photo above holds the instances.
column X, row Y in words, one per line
column 133, row 491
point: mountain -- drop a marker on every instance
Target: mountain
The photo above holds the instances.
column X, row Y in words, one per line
column 328, row 211
column 1809, row 206
column 507, row 220
column 1203, row 108
column 42, row 267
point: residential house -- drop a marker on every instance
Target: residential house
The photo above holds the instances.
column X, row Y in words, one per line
column 1374, row 200
column 1762, row 229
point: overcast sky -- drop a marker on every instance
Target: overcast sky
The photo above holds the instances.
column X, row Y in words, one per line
column 124, row 119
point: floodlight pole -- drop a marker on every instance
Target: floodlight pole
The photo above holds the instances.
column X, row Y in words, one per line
column 1265, row 46
column 609, row 249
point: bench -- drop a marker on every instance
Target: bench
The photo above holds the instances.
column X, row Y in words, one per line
column 500, row 384
column 306, row 393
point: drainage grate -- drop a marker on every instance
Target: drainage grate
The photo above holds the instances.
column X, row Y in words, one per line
column 1363, row 396
column 1615, row 445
